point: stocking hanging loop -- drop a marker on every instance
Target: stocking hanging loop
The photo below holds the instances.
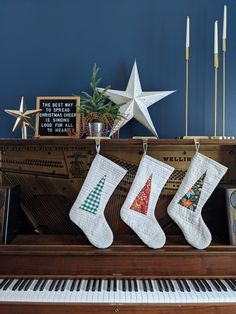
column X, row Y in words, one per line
column 197, row 144
column 145, row 146
column 98, row 141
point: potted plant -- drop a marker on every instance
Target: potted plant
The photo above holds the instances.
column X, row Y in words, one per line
column 98, row 110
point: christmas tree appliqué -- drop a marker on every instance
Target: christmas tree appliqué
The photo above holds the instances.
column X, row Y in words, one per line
column 92, row 201
column 140, row 204
column 191, row 198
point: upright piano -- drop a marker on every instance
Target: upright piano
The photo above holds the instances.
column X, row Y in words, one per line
column 48, row 266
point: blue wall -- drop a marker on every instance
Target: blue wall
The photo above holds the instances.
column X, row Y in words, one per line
column 48, row 47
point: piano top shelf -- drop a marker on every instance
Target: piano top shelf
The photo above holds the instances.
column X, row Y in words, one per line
column 124, row 142
column 73, row 245
column 53, row 256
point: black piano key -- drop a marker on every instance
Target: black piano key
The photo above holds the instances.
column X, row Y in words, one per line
column 58, row 285
column 108, row 285
column 201, row 285
column 130, row 285
column 144, row 285
column 91, row 284
column 186, row 285
column 4, row 282
column 220, row 283
column 170, row 283
column 43, row 284
column 164, row 283
column 135, row 285
column 94, row 285
column 230, row 284
column 63, row 286
column 233, row 282
column 27, row 286
column 87, row 288
column 38, row 283
column 79, row 285
column 208, row 287
column 215, row 284
column 8, row 283
column 16, row 285
column 180, row 285
column 123, row 285
column 115, row 285
column 99, row 285
column 22, row 284
column 73, row 284
column 196, row 287
column 150, row 285
column 52, row 285
column 159, row 285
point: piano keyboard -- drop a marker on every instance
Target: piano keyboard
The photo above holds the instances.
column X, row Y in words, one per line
column 118, row 291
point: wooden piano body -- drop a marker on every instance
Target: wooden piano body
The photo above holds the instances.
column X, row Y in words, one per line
column 51, row 172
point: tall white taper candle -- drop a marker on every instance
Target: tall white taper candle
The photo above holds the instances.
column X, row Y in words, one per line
column 224, row 34
column 216, row 38
column 187, row 32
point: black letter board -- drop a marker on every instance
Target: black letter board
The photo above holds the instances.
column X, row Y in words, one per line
column 57, row 116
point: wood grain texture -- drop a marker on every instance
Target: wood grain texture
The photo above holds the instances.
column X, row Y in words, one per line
column 119, row 308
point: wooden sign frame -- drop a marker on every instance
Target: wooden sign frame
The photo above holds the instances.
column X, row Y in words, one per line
column 57, row 98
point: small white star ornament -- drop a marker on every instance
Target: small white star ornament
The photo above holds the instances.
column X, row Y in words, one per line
column 135, row 102
column 22, row 118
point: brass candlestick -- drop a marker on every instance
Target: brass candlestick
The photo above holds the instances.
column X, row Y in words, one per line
column 187, row 100
column 223, row 85
column 186, row 90
column 216, row 66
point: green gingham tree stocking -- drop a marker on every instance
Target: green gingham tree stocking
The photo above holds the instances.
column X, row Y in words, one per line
column 88, row 210
column 138, row 210
column 185, row 209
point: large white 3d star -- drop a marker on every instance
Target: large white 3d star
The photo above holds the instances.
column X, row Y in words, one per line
column 22, row 117
column 135, row 102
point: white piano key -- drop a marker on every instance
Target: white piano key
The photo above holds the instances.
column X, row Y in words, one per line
column 127, row 293
column 194, row 296
column 166, row 294
column 180, row 295
column 95, row 294
column 31, row 292
column 58, row 296
column 46, row 295
column 8, row 295
column 150, row 298
column 100, row 294
column 74, row 294
column 216, row 295
column 67, row 294
column 20, row 296
column 143, row 294
column 133, row 295
column 105, row 292
column 156, row 294
column 231, row 292
column 112, row 292
column 122, row 294
column 228, row 296
column 117, row 292
column 82, row 297
column 174, row 296
column 89, row 293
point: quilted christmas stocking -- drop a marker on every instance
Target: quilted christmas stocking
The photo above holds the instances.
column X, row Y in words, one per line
column 88, row 210
column 185, row 209
column 138, row 210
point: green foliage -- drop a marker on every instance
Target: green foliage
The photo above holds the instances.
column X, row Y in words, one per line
column 98, row 101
